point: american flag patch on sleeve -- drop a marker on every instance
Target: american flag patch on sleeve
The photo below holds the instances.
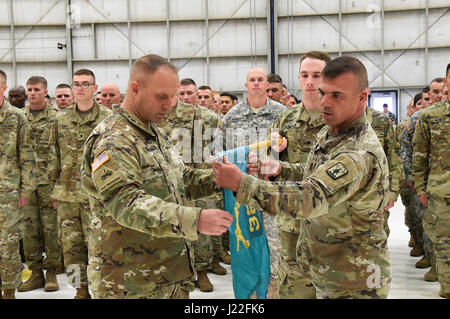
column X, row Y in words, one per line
column 99, row 161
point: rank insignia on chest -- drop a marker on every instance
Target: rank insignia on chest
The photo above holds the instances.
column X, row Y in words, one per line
column 99, row 161
column 336, row 171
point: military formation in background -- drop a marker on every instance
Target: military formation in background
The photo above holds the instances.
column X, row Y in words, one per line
column 116, row 190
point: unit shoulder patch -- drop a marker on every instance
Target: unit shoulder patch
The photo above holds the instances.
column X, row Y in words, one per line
column 337, row 171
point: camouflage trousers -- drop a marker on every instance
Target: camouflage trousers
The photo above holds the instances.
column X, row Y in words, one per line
column 40, row 231
column 153, row 291
column 437, row 225
column 10, row 233
column 294, row 282
column 386, row 222
column 380, row 293
column 412, row 221
column 203, row 252
column 73, row 219
column 426, row 223
column 273, row 241
column 206, row 246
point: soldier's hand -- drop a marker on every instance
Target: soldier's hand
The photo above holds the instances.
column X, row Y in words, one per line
column 276, row 146
column 227, row 175
column 252, row 164
column 214, row 221
column 390, row 204
column 410, row 184
column 423, row 198
column 269, row 168
column 23, row 201
column 55, row 204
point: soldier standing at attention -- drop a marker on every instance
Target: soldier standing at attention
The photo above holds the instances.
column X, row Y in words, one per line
column 17, row 183
column 431, row 176
column 384, row 129
column 72, row 127
column 140, row 245
column 247, row 123
column 299, row 125
column 40, row 221
column 406, row 138
column 340, row 192
column 412, row 221
column 17, row 96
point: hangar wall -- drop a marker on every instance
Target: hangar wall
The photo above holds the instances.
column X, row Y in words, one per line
column 403, row 43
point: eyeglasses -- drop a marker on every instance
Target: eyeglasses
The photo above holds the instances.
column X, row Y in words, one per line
column 82, row 85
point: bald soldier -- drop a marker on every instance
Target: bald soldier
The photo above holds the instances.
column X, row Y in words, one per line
column 340, row 192
column 140, row 245
column 247, row 123
column 110, row 94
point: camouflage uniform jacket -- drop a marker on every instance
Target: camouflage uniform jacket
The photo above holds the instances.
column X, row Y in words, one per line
column 134, row 176
column 406, row 146
column 301, row 131
column 17, row 156
column 431, row 144
column 342, row 196
column 386, row 134
column 191, row 129
column 70, row 131
column 41, row 129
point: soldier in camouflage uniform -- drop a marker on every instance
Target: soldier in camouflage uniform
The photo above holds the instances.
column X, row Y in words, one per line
column 385, row 132
column 407, row 158
column 140, row 242
column 431, row 176
column 17, row 183
column 342, row 194
column 299, row 125
column 412, row 221
column 72, row 127
column 247, row 123
column 191, row 129
column 40, row 221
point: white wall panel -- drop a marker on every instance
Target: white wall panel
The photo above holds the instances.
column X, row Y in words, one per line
column 187, row 10
column 149, row 38
column 5, row 19
column 219, row 9
column 148, row 10
column 230, row 74
column 83, row 42
column 116, row 72
column 112, row 44
column 100, row 10
column 192, row 68
column 54, row 73
column 5, row 44
column 187, row 39
column 237, row 38
column 39, row 44
column 308, row 33
column 32, row 12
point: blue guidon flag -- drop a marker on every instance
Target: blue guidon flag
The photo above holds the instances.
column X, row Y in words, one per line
column 250, row 260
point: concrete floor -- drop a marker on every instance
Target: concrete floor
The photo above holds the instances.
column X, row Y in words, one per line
column 407, row 281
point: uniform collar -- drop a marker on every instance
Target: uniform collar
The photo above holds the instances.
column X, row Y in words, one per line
column 41, row 115
column 135, row 121
column 92, row 116
column 305, row 116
